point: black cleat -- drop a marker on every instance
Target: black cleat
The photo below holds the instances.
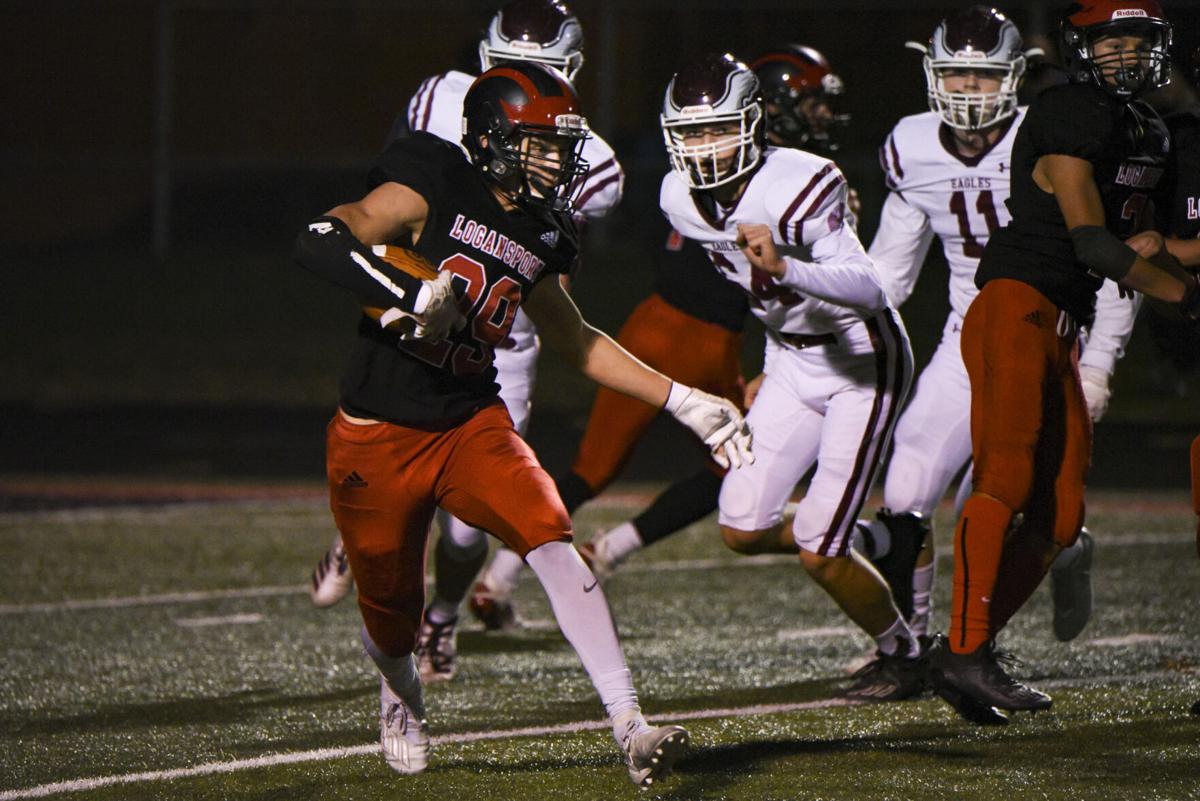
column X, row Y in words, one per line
column 888, row 678
column 1071, row 591
column 908, row 533
column 978, row 677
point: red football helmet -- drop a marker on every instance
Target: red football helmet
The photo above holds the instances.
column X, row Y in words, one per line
column 523, row 130
column 1119, row 69
column 803, row 94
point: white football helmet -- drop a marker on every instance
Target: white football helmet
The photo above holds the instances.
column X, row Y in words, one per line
column 976, row 38
column 544, row 31
column 715, row 90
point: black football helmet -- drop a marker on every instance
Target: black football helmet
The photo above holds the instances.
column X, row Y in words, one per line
column 524, row 132
column 1123, row 73
column 803, row 96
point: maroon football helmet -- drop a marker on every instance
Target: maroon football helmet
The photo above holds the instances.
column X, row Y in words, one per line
column 544, row 31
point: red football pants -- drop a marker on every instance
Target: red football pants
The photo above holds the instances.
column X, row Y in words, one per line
column 1031, row 439
column 682, row 347
column 386, row 481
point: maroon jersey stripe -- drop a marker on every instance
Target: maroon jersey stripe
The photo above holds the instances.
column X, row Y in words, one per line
column 804, row 193
column 816, row 204
column 429, row 103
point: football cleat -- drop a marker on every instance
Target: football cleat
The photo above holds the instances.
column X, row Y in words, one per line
column 965, row 705
column 495, row 611
column 331, row 578
column 593, row 557
column 436, row 651
column 888, row 678
column 402, row 733
column 979, row 676
column 1071, row 590
column 650, row 753
column 908, row 533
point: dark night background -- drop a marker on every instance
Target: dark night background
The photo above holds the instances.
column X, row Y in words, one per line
column 159, row 157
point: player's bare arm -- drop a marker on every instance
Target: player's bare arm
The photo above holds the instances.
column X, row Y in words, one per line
column 386, row 213
column 1073, row 185
column 715, row 420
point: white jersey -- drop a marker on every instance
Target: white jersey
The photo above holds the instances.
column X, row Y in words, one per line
column 962, row 201
column 831, row 285
column 437, row 108
column 937, row 191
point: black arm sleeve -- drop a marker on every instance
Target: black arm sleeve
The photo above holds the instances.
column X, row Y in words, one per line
column 1102, row 252
column 329, row 249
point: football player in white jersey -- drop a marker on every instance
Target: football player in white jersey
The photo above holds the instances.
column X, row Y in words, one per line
column 838, row 364
column 544, row 31
column 948, row 171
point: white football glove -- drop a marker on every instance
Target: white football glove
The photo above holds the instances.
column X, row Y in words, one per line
column 1095, row 390
column 436, row 309
column 716, row 421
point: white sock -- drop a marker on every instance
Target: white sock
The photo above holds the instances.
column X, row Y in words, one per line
column 616, row 545
column 922, row 598
column 400, row 673
column 441, row 611
column 583, row 616
column 896, row 637
column 503, row 573
column 627, row 724
column 1067, row 555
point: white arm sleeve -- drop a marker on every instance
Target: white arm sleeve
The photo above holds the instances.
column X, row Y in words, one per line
column 840, row 271
column 900, row 246
column 1111, row 329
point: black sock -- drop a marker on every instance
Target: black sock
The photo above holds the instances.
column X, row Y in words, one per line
column 574, row 491
column 682, row 504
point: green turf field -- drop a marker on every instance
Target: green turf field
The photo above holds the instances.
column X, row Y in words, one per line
column 223, row 663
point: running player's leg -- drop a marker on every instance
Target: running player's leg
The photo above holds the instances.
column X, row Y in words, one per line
column 382, row 501
column 521, row 507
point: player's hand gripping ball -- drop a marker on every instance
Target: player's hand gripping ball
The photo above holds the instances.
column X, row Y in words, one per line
column 414, row 326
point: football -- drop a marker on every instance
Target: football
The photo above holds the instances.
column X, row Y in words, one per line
column 415, row 265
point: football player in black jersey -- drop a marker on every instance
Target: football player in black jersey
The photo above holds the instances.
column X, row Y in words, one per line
column 419, row 424
column 1179, row 204
column 1084, row 162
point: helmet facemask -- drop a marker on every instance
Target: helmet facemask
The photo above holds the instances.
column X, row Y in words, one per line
column 568, row 64
column 973, row 111
column 707, row 165
column 539, row 166
column 1121, row 70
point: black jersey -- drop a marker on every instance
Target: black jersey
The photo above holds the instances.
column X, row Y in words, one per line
column 685, row 278
column 1128, row 146
column 1179, row 202
column 496, row 257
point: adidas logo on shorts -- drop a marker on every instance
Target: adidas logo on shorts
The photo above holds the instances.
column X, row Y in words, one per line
column 354, row 480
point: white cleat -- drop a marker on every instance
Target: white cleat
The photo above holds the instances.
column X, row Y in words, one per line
column 650, row 753
column 402, row 733
column 602, row 568
column 331, row 578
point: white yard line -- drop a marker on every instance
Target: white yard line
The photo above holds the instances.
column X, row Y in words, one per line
column 227, row 620
column 763, row 560
column 329, row 754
